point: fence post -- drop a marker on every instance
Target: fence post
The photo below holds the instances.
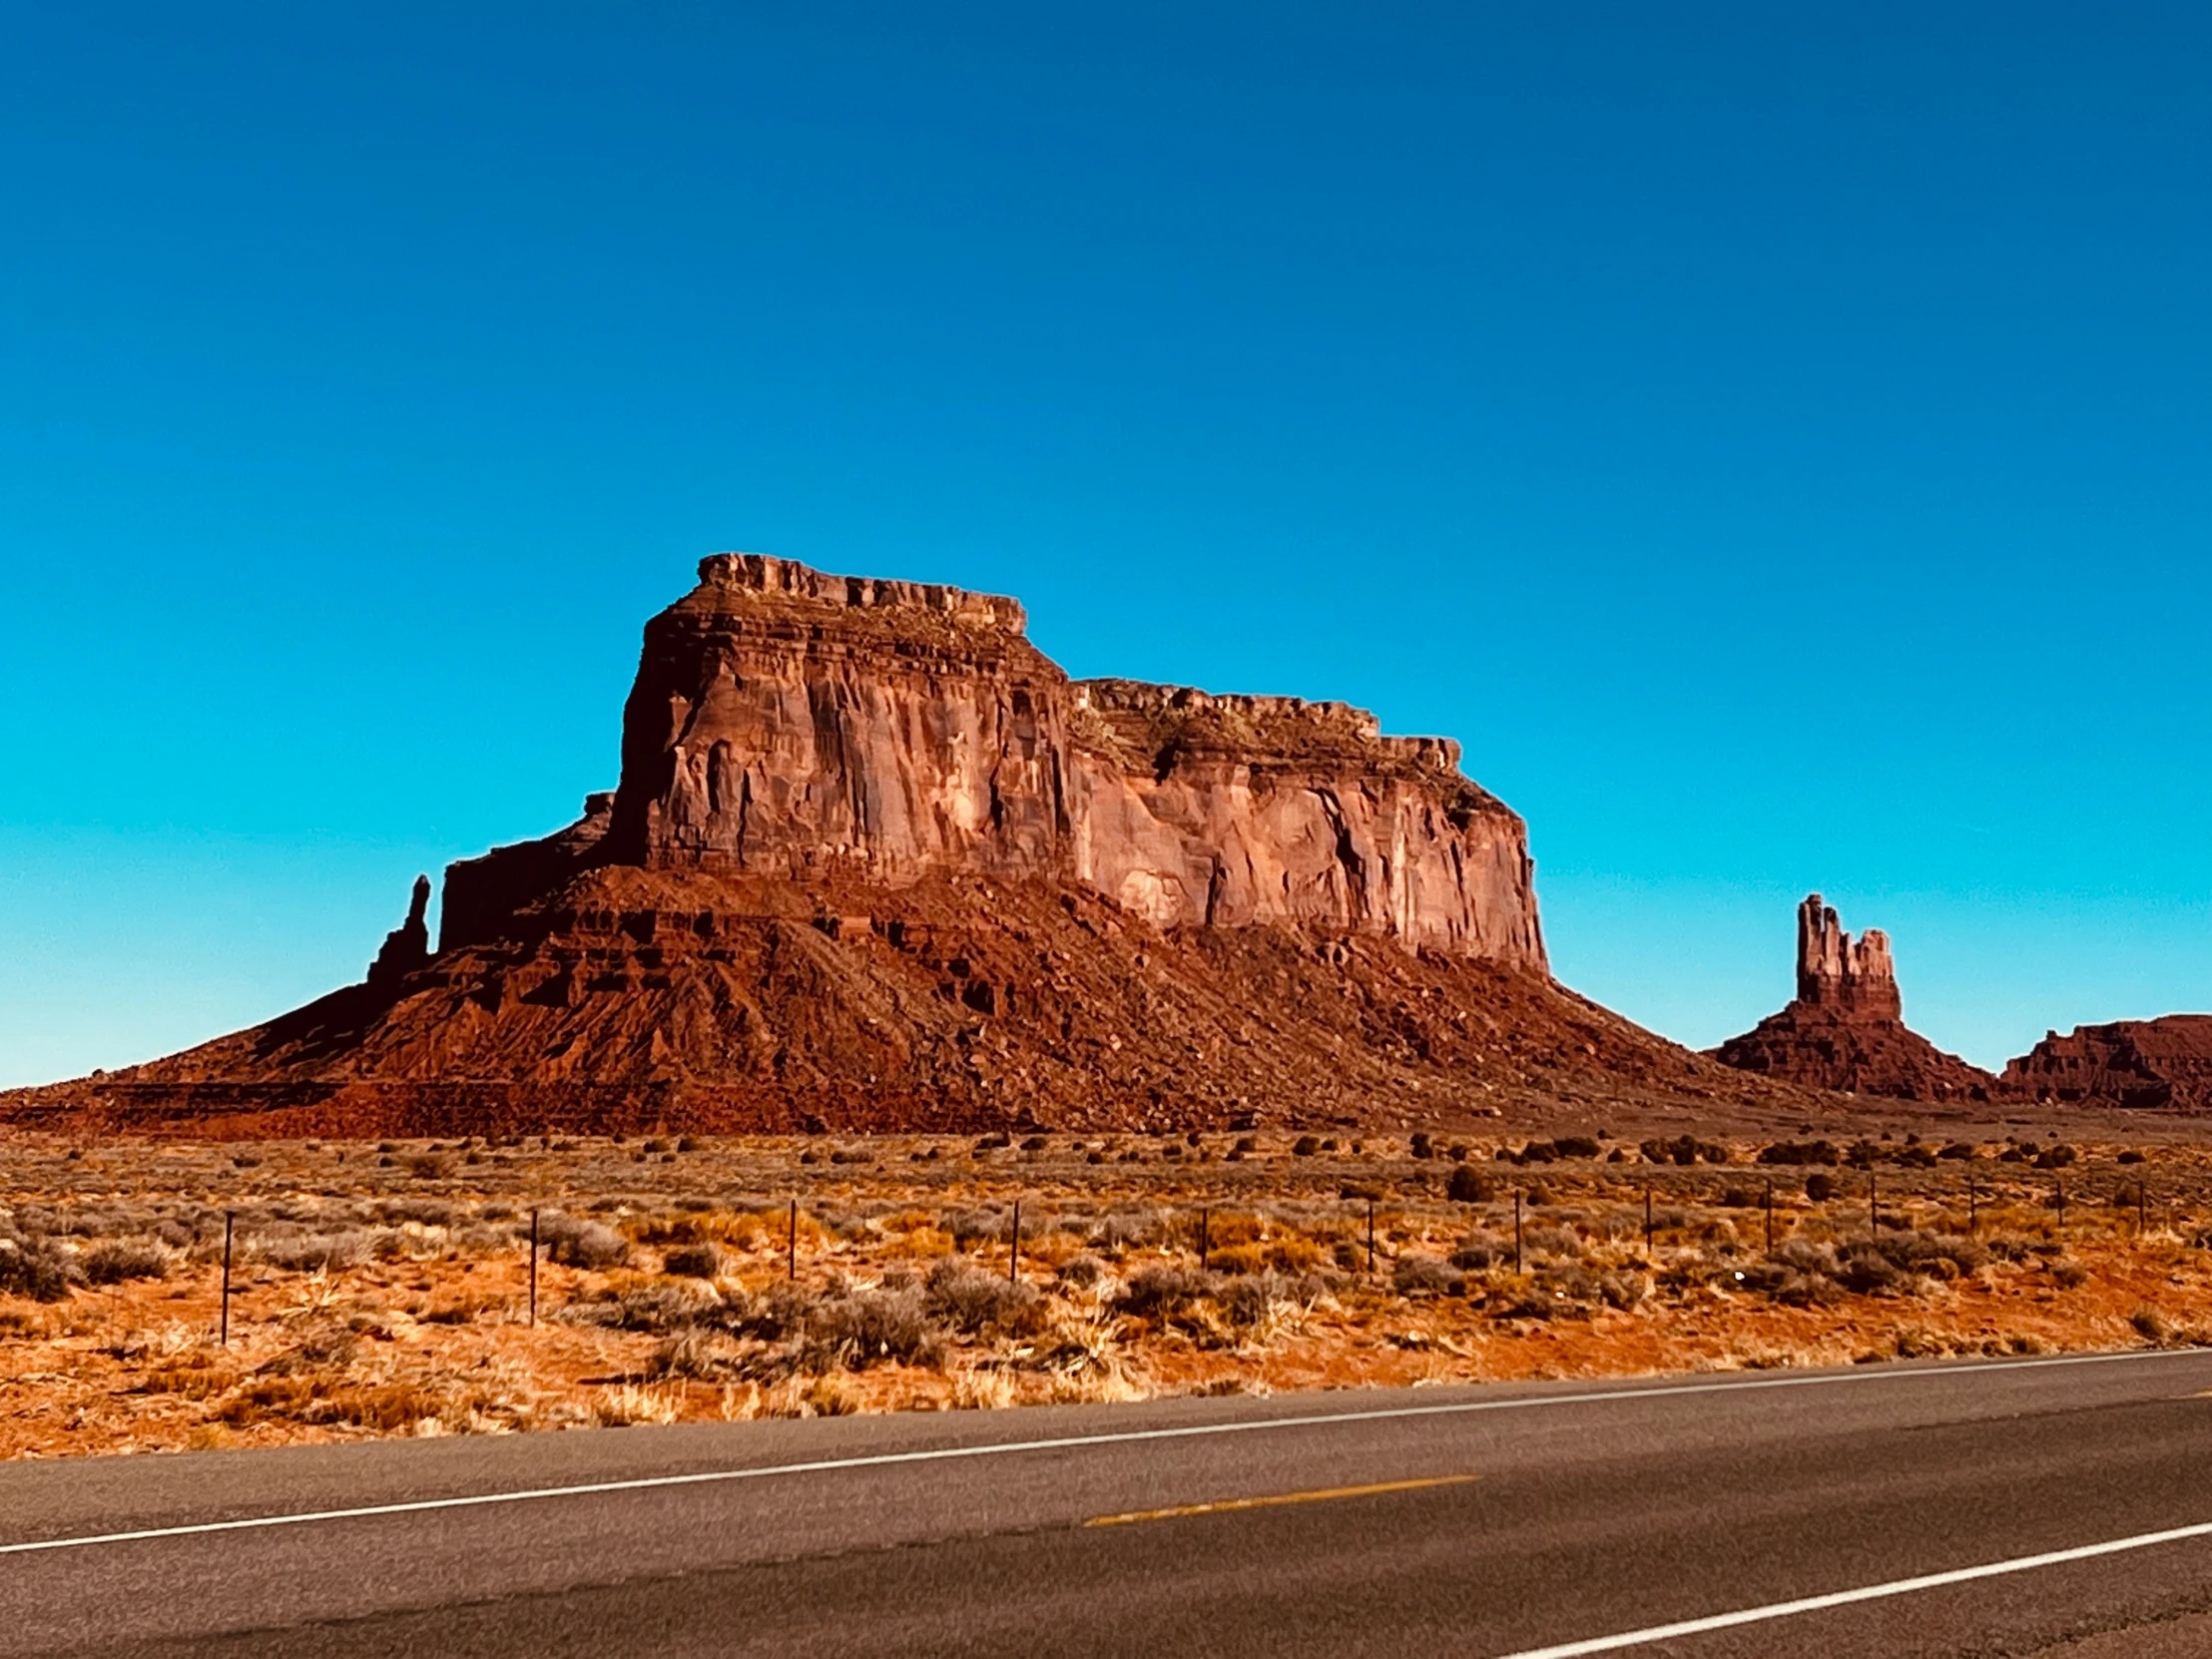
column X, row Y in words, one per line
column 534, row 1267
column 1371, row 1234
column 223, row 1337
column 790, row 1247
column 2061, row 1203
column 1874, row 1205
column 2141, row 1203
column 1203, row 1239
column 1013, row 1256
column 1647, row 1218
column 1770, row 1215
column 1516, row 1230
column 1973, row 1211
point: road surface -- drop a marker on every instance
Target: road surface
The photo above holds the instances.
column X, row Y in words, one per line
column 2060, row 1506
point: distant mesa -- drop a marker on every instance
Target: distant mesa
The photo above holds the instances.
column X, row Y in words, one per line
column 1846, row 1028
column 2160, row 1064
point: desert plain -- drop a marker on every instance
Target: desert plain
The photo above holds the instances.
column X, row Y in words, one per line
column 386, row 1288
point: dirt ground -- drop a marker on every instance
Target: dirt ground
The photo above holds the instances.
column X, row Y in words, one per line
column 386, row 1288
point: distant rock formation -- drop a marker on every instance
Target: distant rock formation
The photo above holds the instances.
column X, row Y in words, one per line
column 1857, row 978
column 1846, row 1028
column 407, row 947
column 876, row 863
column 2160, row 1064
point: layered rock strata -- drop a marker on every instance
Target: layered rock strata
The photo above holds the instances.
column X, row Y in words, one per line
column 2162, row 1064
column 1845, row 1029
column 794, row 723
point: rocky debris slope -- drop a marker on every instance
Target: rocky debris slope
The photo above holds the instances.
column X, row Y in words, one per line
column 876, row 863
column 2162, row 1064
column 675, row 999
column 1845, row 1029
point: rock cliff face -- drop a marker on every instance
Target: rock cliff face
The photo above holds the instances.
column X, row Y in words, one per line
column 1858, row 978
column 2156, row 1064
column 1846, row 1029
column 789, row 723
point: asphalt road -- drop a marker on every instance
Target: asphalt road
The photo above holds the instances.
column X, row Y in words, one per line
column 1549, row 1518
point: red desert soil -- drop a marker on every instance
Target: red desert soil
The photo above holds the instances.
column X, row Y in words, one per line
column 384, row 1290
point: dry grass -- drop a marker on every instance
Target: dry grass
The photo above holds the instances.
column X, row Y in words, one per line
column 384, row 1290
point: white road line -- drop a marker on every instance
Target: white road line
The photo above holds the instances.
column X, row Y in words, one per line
column 1075, row 1441
column 1871, row 1592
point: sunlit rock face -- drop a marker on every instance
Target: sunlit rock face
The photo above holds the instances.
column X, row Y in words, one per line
column 785, row 722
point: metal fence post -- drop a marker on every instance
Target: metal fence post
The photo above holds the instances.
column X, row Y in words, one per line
column 790, row 1247
column 1371, row 1234
column 1770, row 1215
column 534, row 1267
column 1013, row 1256
column 223, row 1337
column 1517, row 1229
column 1202, row 1238
column 1874, row 1205
column 1647, row 1218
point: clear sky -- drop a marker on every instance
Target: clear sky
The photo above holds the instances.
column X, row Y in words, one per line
column 1776, row 440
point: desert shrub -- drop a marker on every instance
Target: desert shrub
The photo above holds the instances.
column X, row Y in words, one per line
column 35, row 1268
column 423, row 1211
column 859, row 1329
column 1420, row 1146
column 1478, row 1251
column 115, row 1260
column 704, row 1356
column 1867, row 1270
column 970, row 1226
column 1820, row 1188
column 1157, row 1291
column 1552, row 1241
column 2151, row 1324
column 1260, row 1298
column 1305, row 1146
column 576, row 1243
column 1422, row 1275
column 970, row 1300
column 1738, row 1197
column 1578, row 1146
column 312, row 1252
column 2059, row 1156
column 1932, row 1252
column 1081, row 1271
column 1469, row 1185
column 1801, row 1152
column 694, row 1260
column 664, row 1304
column 1961, row 1151
column 2070, row 1276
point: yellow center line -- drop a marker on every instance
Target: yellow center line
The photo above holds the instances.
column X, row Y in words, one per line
column 1322, row 1496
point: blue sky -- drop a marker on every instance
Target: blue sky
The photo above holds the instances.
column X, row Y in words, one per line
column 1776, row 441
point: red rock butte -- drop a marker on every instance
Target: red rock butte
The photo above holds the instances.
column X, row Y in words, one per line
column 2162, row 1064
column 1846, row 1029
column 876, row 863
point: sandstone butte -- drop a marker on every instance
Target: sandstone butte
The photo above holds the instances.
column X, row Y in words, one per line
column 1846, row 1028
column 2162, row 1064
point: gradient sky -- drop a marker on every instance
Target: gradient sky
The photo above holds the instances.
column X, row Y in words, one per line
column 1777, row 441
